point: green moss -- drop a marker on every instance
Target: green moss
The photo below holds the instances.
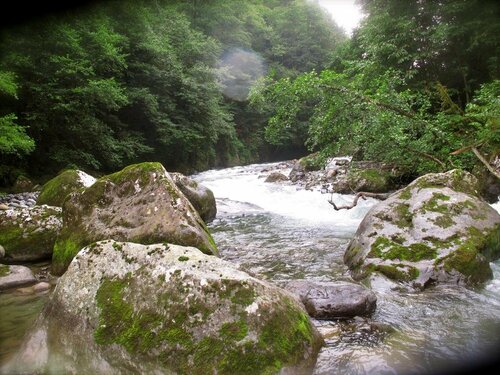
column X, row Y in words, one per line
column 444, row 221
column 386, row 249
column 433, row 203
column 234, row 331
column 312, row 162
column 117, row 246
column 55, row 191
column 397, row 272
column 405, row 194
column 4, row 270
column 183, row 258
column 65, row 249
column 377, row 180
column 405, row 218
column 141, row 172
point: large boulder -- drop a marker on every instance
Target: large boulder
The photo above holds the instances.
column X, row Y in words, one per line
column 436, row 229
column 165, row 309
column 201, row 197
column 276, row 177
column 329, row 300
column 139, row 204
column 29, row 234
column 15, row 276
column 55, row 191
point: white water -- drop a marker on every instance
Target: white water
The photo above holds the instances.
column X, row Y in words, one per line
column 281, row 233
column 246, row 185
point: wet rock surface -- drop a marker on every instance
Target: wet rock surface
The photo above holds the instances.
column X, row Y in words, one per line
column 19, row 200
column 15, row 276
column 199, row 196
column 329, row 300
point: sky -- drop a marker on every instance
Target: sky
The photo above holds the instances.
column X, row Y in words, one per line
column 345, row 13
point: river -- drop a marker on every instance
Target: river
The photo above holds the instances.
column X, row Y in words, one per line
column 280, row 232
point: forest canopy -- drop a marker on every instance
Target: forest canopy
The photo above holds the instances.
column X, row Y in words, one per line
column 201, row 84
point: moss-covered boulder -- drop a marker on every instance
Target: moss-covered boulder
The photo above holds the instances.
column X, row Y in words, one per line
column 140, row 203
column 166, row 309
column 29, row 234
column 201, row 197
column 437, row 229
column 370, row 180
column 55, row 191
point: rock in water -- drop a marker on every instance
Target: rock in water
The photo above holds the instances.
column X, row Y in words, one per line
column 15, row 276
column 140, row 204
column 436, row 229
column 201, row 197
column 55, row 191
column 328, row 300
column 29, row 234
column 276, row 177
column 166, row 309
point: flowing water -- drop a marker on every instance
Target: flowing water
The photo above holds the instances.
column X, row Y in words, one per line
column 280, row 233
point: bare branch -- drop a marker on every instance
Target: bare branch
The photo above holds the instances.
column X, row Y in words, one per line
column 361, row 194
column 485, row 162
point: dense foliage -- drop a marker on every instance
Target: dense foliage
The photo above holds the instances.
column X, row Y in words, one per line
column 121, row 82
column 416, row 86
column 124, row 81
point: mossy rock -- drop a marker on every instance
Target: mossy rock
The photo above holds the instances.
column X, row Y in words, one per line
column 29, row 234
column 370, row 180
column 55, row 191
column 312, row 162
column 201, row 197
column 141, row 204
column 142, row 310
column 429, row 233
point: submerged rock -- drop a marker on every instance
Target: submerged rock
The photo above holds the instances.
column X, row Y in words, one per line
column 436, row 229
column 29, row 234
column 140, row 204
column 15, row 276
column 166, row 309
column 55, row 191
column 201, row 197
column 328, row 300
column 276, row 177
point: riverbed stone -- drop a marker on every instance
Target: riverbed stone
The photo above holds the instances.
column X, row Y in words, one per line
column 55, row 191
column 276, row 177
column 436, row 230
column 165, row 308
column 201, row 197
column 329, row 300
column 29, row 234
column 15, row 276
column 140, row 203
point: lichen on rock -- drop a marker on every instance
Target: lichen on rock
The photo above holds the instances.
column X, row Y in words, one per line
column 139, row 308
column 140, row 204
column 437, row 229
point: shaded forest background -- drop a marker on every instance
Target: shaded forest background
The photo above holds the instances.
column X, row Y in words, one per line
column 200, row 84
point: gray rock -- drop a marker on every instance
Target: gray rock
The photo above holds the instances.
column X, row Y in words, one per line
column 140, row 203
column 436, row 230
column 15, row 276
column 328, row 300
column 201, row 197
column 164, row 309
column 2, row 252
column 29, row 234
column 276, row 177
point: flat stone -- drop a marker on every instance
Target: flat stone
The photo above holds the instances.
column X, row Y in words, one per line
column 4, row 207
column 41, row 287
column 16, row 276
column 328, row 300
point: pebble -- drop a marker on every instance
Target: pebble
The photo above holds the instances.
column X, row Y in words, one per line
column 21, row 200
column 41, row 287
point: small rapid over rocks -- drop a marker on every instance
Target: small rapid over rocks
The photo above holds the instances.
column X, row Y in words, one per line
column 284, row 233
